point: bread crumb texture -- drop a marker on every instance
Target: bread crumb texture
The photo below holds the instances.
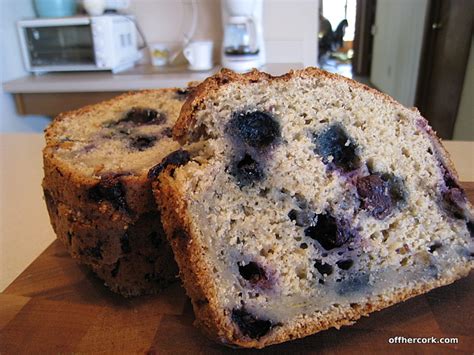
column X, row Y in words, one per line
column 316, row 200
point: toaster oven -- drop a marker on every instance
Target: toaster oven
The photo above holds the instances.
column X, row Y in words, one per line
column 80, row 43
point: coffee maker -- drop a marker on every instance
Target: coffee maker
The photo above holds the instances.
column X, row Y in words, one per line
column 243, row 47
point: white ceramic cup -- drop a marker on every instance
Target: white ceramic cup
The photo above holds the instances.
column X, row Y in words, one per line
column 160, row 54
column 199, row 55
column 94, row 7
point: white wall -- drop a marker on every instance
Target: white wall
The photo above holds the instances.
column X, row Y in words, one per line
column 398, row 39
column 464, row 126
column 11, row 67
column 290, row 31
column 290, row 26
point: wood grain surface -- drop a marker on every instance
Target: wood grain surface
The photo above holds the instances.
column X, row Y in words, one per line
column 55, row 306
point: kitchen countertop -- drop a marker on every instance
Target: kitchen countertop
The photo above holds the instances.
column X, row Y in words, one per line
column 138, row 78
column 24, row 223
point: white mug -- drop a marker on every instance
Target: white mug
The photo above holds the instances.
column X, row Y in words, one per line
column 199, row 55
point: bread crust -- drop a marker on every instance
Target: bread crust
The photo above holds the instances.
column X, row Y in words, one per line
column 199, row 286
column 188, row 250
column 85, row 225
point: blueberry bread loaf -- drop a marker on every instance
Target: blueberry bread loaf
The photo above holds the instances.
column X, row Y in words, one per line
column 315, row 201
column 97, row 189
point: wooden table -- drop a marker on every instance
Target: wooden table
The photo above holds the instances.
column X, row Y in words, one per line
column 55, row 306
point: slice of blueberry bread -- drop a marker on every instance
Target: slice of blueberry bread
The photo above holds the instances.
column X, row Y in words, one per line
column 315, row 201
column 98, row 192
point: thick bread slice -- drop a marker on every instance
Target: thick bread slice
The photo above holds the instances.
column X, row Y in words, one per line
column 315, row 201
column 98, row 192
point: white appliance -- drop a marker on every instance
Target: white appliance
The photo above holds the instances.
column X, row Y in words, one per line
column 79, row 43
column 243, row 47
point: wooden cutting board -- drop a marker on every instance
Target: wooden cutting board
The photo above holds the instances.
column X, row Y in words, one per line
column 55, row 306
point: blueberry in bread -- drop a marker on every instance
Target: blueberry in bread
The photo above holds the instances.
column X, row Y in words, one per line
column 98, row 192
column 313, row 201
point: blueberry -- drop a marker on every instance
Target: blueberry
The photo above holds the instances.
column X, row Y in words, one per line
column 323, row 268
column 177, row 158
column 247, row 171
column 152, row 277
column 256, row 129
column 470, row 228
column 454, row 200
column 249, row 325
column 329, row 232
column 143, row 116
column 111, row 189
column 345, row 264
column 125, row 243
column 355, row 283
column 396, row 189
column 252, row 272
column 302, row 218
column 334, row 142
column 448, row 178
column 453, row 197
column 69, row 237
column 375, row 196
column 182, row 94
column 167, row 132
column 116, row 268
column 434, row 246
column 142, row 143
column 93, row 252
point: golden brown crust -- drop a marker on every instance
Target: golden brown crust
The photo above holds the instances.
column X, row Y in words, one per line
column 188, row 250
column 194, row 274
column 82, row 223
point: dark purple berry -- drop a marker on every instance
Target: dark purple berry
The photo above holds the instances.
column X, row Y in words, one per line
column 345, row 264
column 329, row 232
column 434, row 246
column 453, row 197
column 167, row 132
column 355, row 283
column 256, row 129
column 125, row 243
column 375, row 196
column 470, row 228
column 93, row 252
column 252, row 272
column 143, row 116
column 449, row 180
column 116, row 268
column 454, row 200
column 334, row 142
column 247, row 171
column 110, row 188
column 177, row 158
column 302, row 218
column 249, row 325
column 69, row 237
column 182, row 94
column 323, row 268
column 142, row 143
